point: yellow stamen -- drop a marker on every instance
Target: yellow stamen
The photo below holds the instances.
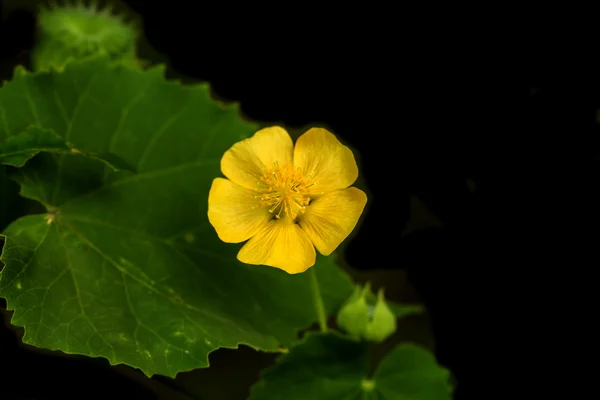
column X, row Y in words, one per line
column 284, row 189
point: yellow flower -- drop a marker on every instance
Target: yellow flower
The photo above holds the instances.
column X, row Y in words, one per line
column 287, row 200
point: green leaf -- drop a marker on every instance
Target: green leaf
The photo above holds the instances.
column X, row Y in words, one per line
column 410, row 372
column 17, row 149
column 11, row 205
column 126, row 266
column 330, row 367
column 402, row 310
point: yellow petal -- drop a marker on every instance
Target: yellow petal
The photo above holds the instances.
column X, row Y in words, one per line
column 245, row 162
column 281, row 244
column 329, row 219
column 233, row 211
column 325, row 160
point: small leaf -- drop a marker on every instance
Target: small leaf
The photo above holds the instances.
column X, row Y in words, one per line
column 17, row 149
column 410, row 372
column 329, row 367
column 402, row 310
column 127, row 266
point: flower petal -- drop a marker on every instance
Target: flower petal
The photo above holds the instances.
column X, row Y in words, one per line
column 281, row 244
column 233, row 211
column 245, row 162
column 329, row 219
column 329, row 163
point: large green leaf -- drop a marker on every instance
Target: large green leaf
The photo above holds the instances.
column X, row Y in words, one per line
column 126, row 266
column 330, row 367
column 17, row 149
column 11, row 205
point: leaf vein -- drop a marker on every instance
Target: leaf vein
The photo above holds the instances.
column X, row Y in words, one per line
column 124, row 114
column 158, row 134
column 88, row 243
column 31, row 102
column 78, row 293
column 80, row 100
column 139, row 177
column 22, row 271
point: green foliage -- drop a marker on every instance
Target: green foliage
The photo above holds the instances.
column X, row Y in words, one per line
column 126, row 265
column 76, row 31
column 118, row 259
column 19, row 148
column 330, row 367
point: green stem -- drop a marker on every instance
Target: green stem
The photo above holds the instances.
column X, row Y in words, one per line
column 318, row 300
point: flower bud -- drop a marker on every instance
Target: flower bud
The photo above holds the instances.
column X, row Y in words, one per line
column 382, row 322
column 353, row 317
column 76, row 31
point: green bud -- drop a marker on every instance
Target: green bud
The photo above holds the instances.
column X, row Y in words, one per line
column 76, row 31
column 353, row 317
column 382, row 322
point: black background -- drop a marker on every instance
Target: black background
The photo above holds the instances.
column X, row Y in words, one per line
column 490, row 129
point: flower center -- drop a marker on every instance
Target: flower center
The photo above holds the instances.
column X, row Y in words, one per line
column 284, row 190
